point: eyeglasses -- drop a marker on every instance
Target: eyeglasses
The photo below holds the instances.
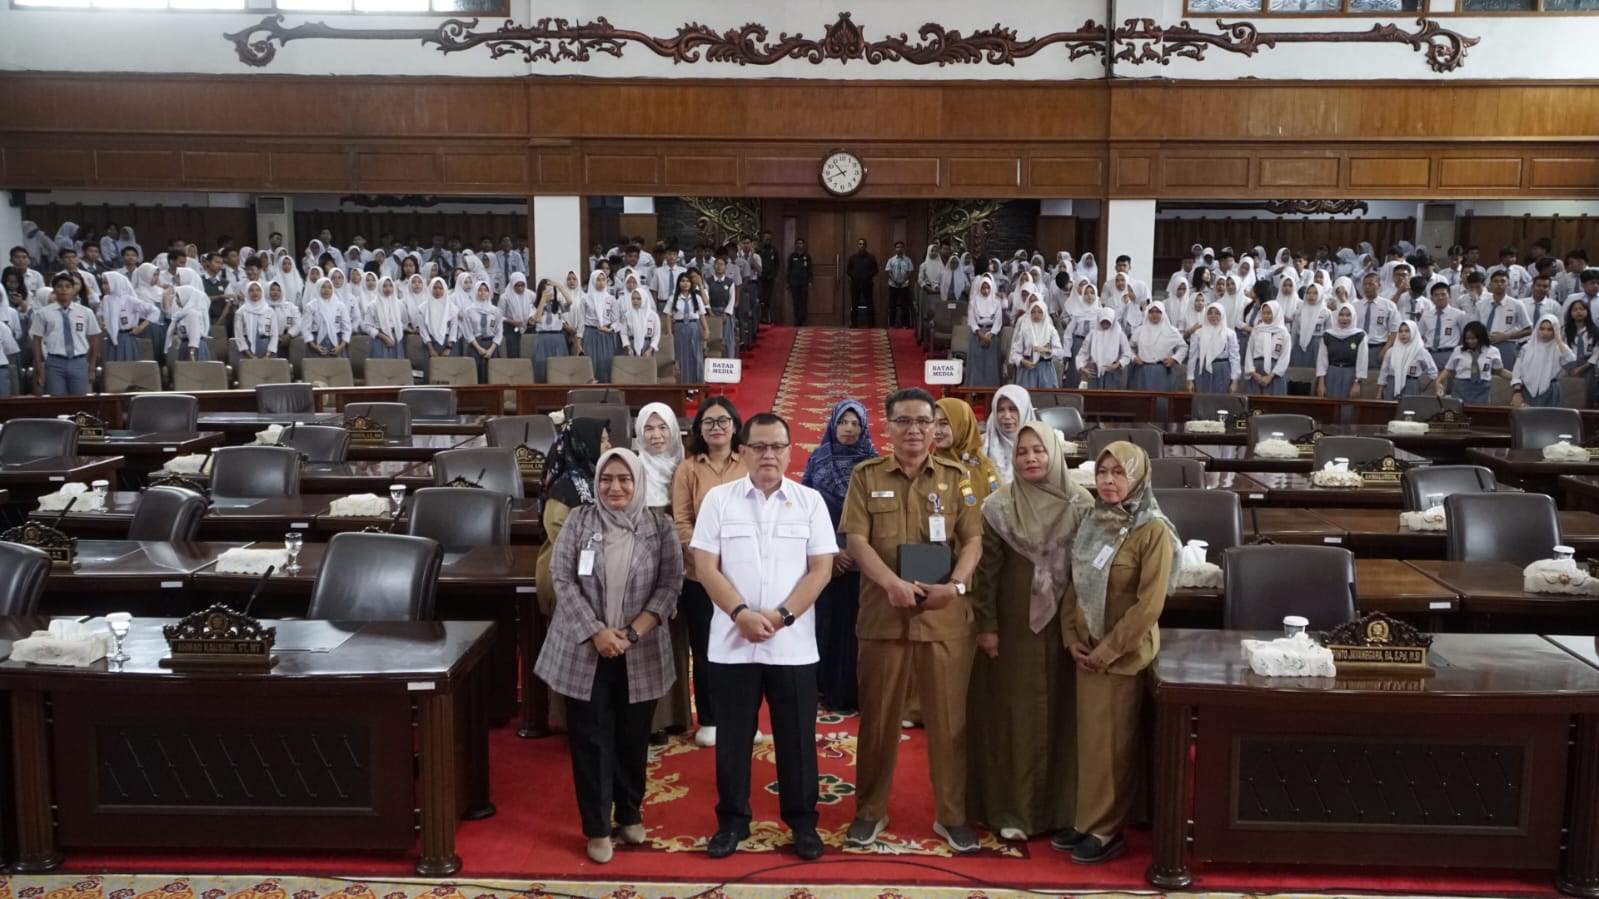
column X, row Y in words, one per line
column 906, row 421
column 762, row 449
column 717, row 424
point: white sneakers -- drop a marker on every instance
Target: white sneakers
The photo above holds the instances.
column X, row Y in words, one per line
column 706, row 736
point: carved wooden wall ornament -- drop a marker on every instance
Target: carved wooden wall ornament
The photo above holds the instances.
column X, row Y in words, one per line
column 1142, row 41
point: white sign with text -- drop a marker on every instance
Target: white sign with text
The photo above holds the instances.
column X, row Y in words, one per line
column 944, row 371
column 724, row 371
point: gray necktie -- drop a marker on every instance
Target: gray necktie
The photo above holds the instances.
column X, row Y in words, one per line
column 1437, row 327
column 69, row 346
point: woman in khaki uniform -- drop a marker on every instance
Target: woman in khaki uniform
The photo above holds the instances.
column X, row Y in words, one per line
column 1021, row 723
column 1124, row 565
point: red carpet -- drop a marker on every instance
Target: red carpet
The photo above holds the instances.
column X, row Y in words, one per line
column 829, row 365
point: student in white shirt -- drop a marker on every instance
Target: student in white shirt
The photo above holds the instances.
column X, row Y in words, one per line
column 1034, row 347
column 1442, row 324
column 639, row 325
column 1505, row 318
column 125, row 317
column 1213, row 363
column 764, row 548
column 1267, row 353
column 1341, row 361
column 1102, row 360
column 516, row 304
column 1535, row 381
column 1158, row 352
column 385, row 321
column 484, row 323
column 326, row 325
column 1470, row 371
column 1582, row 335
column 1406, row 366
column 8, row 351
column 66, row 341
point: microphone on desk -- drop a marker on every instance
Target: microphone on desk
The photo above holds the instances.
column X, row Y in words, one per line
column 259, row 586
column 64, row 510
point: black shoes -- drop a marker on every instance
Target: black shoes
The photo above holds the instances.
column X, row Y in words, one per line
column 1066, row 840
column 808, row 845
column 1092, row 851
column 724, row 843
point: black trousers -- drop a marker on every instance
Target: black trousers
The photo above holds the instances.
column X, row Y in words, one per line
column 609, row 740
column 790, row 694
column 860, row 297
column 696, row 606
column 900, row 313
column 799, row 295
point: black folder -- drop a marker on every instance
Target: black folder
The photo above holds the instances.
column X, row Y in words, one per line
column 928, row 563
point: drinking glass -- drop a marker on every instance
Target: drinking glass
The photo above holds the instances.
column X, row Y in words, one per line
column 101, row 490
column 1295, row 624
column 397, row 495
column 119, row 624
column 292, row 541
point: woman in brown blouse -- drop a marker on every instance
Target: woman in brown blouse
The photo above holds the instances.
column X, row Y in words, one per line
column 1124, row 565
column 713, row 459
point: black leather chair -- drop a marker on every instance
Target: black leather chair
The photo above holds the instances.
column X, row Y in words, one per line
column 492, row 468
column 377, row 577
column 1424, row 405
column 1205, row 406
column 618, row 419
column 318, row 443
column 461, row 519
column 1214, row 516
column 1355, row 449
column 596, row 395
column 37, row 438
column 291, row 398
column 255, row 471
column 395, row 417
column 1535, row 427
column 24, row 570
column 537, row 431
column 429, row 402
column 1427, row 481
column 1518, row 528
column 1045, row 400
column 169, row 514
column 164, row 413
column 1066, row 419
column 1266, row 583
column 1177, row 473
column 1291, row 425
column 1150, row 439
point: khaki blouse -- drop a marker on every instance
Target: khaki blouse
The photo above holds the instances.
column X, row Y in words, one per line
column 1134, row 598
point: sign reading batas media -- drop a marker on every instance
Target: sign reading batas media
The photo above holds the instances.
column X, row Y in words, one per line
column 944, row 371
column 724, row 371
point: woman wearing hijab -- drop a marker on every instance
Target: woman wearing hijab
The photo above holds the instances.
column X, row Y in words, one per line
column 1034, row 347
column 516, row 308
column 660, row 449
column 957, row 437
column 439, row 326
column 287, row 275
column 255, row 330
column 551, row 307
column 1087, row 269
column 1020, row 716
column 639, row 325
column 1213, row 355
column 125, row 317
column 985, row 317
column 846, row 443
column 1158, row 352
column 327, row 323
column 1012, row 407
column 1123, row 566
column 1581, row 333
column 954, row 281
column 189, row 324
column 687, row 308
column 1469, row 372
column 484, row 329
column 1103, row 357
column 1266, row 359
column 1341, row 361
column 1310, row 323
column 599, row 331
column 1081, row 314
column 1406, row 364
column 385, row 322
column 713, row 459
column 928, row 278
column 1536, row 379
column 617, row 572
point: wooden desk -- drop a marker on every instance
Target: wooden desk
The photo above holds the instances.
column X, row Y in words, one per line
column 532, row 398
column 1376, row 532
column 30, row 479
column 385, row 718
column 1468, row 768
column 1297, row 491
column 1242, row 458
column 241, row 427
column 457, row 424
column 130, row 575
column 421, row 475
column 1526, row 468
column 1290, row 526
column 345, row 478
column 416, row 448
column 144, row 452
column 1497, row 588
column 1579, row 491
column 1381, row 585
column 526, row 525
column 1442, row 446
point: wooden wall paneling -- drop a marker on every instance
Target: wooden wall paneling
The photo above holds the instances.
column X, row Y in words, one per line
column 155, row 226
column 469, row 227
column 1056, row 233
column 633, row 225
column 1481, row 173
column 1491, row 232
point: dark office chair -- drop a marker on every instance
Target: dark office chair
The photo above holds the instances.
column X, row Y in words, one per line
column 294, row 397
column 1535, row 427
column 618, row 419
column 1205, row 406
column 318, row 443
column 24, row 570
column 1426, row 482
column 492, row 468
column 1292, row 426
column 1518, row 528
column 1177, row 473
column 1066, row 419
column 1214, row 516
column 164, row 413
column 394, row 417
column 1355, row 449
column 429, row 402
column 377, row 577
column 37, row 438
column 1045, row 400
column 511, row 431
column 255, row 471
column 1424, row 406
column 461, row 519
column 1150, row 439
column 1266, row 583
column 605, row 395
column 169, row 514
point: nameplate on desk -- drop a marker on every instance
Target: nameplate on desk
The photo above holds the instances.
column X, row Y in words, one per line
column 1377, row 641
column 62, row 549
column 530, row 461
column 1449, row 420
column 1384, row 472
column 1307, row 443
column 219, row 638
column 366, row 432
column 90, row 427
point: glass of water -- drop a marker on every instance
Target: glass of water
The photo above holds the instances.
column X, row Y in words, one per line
column 101, row 489
column 1294, row 625
column 292, row 541
column 119, row 624
column 397, row 495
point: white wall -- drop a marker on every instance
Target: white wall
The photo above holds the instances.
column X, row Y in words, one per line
column 1519, row 47
column 10, row 225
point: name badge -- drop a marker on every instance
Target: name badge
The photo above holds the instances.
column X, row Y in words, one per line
column 935, row 529
column 585, row 563
column 1413, row 371
column 1449, row 332
column 1382, row 319
column 882, row 494
column 1106, row 553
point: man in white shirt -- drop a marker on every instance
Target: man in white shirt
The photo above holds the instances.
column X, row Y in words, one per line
column 666, row 274
column 66, row 337
column 900, row 269
column 1442, row 325
column 1124, row 266
column 764, row 548
column 1378, row 317
column 1520, row 279
column 1587, row 290
column 1504, row 316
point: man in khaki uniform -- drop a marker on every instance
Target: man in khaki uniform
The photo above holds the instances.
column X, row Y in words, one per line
column 903, row 627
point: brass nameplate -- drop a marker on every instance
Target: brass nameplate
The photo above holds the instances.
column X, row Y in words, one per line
column 1307, row 443
column 1384, row 472
column 530, row 461
column 62, row 549
column 1449, row 420
column 1376, row 641
column 220, row 638
column 90, row 427
column 1379, row 655
column 366, row 432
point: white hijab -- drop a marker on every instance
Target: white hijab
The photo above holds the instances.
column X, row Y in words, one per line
column 1104, row 345
column 658, row 468
column 1152, row 338
column 1039, row 333
column 1212, row 339
column 190, row 315
column 1264, row 339
column 387, row 311
column 641, row 324
column 1311, row 313
column 1538, row 364
column 438, row 312
column 998, row 446
column 984, row 307
column 1087, row 269
column 1402, row 355
column 1340, row 332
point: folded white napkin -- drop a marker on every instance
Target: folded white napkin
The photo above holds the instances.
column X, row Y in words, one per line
column 359, row 505
column 1558, row 576
column 194, row 463
column 1204, row 426
column 1271, row 448
column 240, row 560
column 558, row 417
column 1335, row 474
column 1069, row 447
column 1410, row 428
column 1203, row 576
column 87, row 500
column 268, row 437
column 1296, row 656
column 1083, row 474
column 1430, row 520
column 1564, row 451
column 69, row 643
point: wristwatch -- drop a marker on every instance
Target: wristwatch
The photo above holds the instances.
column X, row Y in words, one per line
column 737, row 610
column 960, row 588
column 787, row 616
column 631, row 634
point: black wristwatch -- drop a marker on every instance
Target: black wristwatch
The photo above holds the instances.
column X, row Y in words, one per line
column 788, row 617
column 631, row 634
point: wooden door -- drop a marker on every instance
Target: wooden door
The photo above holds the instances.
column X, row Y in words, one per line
column 873, row 225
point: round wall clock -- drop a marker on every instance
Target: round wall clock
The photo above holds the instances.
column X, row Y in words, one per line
column 842, row 173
